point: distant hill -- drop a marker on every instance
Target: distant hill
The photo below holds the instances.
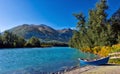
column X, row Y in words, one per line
column 44, row 32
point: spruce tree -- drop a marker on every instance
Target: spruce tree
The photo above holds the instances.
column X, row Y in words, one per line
column 115, row 22
column 96, row 31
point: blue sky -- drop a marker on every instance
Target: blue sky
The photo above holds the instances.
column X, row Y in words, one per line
column 54, row 13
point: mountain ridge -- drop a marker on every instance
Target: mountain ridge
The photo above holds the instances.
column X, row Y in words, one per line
column 42, row 31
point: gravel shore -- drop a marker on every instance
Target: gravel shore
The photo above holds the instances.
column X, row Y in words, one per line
column 106, row 69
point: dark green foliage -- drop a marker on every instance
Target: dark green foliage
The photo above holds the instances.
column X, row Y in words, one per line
column 118, row 38
column 114, row 61
column 96, row 31
column 33, row 42
column 1, row 42
column 9, row 40
column 20, row 42
column 55, row 44
column 115, row 21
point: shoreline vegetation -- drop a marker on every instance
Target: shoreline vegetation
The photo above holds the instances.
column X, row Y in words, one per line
column 9, row 40
column 97, row 34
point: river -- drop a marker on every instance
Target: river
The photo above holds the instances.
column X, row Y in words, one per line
column 39, row 59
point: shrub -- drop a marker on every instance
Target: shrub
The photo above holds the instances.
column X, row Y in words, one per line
column 105, row 50
column 115, row 48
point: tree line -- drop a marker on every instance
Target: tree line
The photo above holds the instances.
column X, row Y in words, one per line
column 10, row 40
column 97, row 30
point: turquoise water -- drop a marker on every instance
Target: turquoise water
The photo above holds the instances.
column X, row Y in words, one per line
column 39, row 59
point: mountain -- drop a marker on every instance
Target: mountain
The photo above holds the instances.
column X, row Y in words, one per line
column 44, row 32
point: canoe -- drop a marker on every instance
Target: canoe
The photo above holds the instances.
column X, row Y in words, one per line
column 101, row 61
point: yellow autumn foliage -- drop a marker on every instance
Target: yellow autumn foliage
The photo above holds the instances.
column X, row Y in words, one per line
column 102, row 51
column 105, row 50
column 96, row 49
column 86, row 49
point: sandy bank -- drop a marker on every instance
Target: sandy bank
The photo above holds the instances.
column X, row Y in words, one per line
column 80, row 70
column 107, row 69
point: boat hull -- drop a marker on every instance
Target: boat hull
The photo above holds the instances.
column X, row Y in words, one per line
column 96, row 62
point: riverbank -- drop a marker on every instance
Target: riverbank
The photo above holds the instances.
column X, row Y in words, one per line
column 106, row 69
column 114, row 58
column 80, row 70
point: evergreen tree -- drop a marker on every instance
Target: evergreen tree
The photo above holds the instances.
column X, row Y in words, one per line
column 1, row 42
column 33, row 42
column 98, row 24
column 19, row 42
column 8, row 39
column 118, row 40
column 11, row 40
column 115, row 21
column 94, row 32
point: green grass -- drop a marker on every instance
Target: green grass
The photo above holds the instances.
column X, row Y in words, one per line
column 115, row 50
column 114, row 61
